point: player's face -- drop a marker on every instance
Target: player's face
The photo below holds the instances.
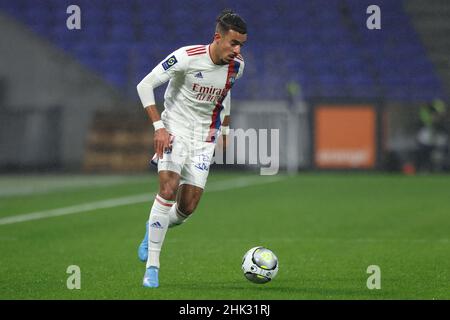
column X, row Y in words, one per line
column 229, row 45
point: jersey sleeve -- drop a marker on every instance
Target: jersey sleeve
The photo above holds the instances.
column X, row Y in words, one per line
column 173, row 65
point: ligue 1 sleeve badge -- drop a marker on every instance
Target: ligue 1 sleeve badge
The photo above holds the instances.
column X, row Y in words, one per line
column 169, row 62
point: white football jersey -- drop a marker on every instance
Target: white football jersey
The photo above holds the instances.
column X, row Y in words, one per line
column 197, row 97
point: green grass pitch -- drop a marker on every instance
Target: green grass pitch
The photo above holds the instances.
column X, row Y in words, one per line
column 325, row 228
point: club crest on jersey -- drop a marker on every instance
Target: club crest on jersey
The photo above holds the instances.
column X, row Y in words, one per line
column 169, row 62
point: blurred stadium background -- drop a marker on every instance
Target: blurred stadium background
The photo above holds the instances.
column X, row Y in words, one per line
column 344, row 98
column 68, row 98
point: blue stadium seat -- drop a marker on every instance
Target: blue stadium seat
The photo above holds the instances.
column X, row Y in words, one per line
column 325, row 54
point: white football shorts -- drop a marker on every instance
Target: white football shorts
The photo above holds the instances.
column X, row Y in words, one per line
column 190, row 159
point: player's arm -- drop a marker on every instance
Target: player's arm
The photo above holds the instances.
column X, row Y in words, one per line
column 225, row 130
column 226, row 120
column 145, row 89
column 162, row 73
column 227, row 109
column 161, row 139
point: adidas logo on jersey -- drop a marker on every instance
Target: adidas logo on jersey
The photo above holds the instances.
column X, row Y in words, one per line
column 156, row 225
column 199, row 75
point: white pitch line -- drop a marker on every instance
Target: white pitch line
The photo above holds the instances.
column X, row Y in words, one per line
column 18, row 186
column 108, row 203
column 140, row 198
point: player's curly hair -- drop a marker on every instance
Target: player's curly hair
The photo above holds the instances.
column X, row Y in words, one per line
column 227, row 20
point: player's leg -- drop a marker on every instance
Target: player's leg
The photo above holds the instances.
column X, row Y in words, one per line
column 169, row 169
column 188, row 197
column 172, row 161
column 168, row 184
column 193, row 180
column 158, row 223
column 159, row 218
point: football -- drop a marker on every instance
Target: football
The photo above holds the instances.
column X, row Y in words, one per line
column 260, row 265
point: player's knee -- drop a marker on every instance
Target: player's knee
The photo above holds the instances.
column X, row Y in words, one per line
column 167, row 192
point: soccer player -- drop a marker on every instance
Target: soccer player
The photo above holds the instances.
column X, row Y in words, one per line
column 196, row 110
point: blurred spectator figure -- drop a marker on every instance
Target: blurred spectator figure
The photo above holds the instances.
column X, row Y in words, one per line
column 432, row 138
column 293, row 93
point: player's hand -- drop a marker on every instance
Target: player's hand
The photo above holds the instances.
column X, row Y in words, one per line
column 161, row 141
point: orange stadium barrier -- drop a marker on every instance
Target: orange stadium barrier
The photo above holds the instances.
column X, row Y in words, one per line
column 345, row 136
